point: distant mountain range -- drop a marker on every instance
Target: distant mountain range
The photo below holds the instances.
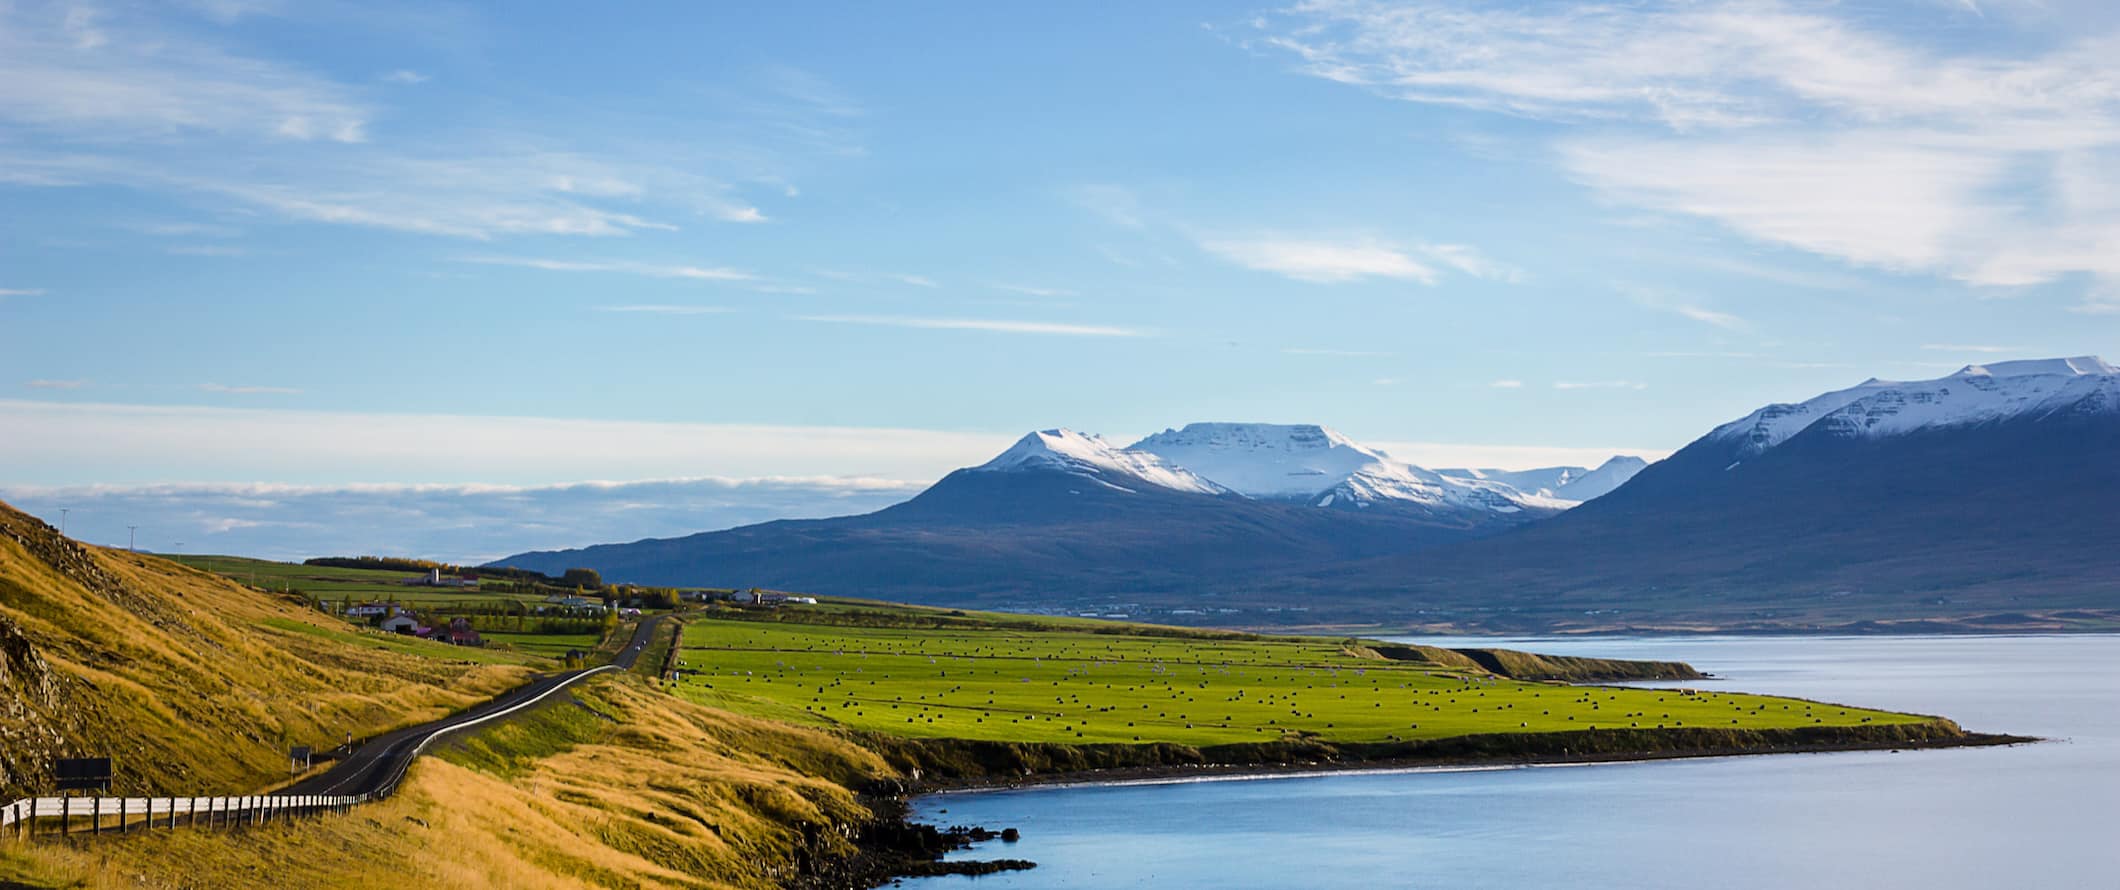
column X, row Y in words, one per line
column 1067, row 515
column 1986, row 496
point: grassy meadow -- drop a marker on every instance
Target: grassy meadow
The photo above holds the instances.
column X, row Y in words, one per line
column 1019, row 680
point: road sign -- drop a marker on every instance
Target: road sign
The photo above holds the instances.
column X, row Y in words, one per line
column 82, row 773
column 298, row 758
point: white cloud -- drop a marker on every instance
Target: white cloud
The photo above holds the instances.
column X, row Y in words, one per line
column 61, row 443
column 1337, row 353
column 139, row 99
column 1030, row 291
column 458, row 523
column 1963, row 347
column 1722, row 320
column 77, row 72
column 21, row 291
column 1507, row 384
column 1598, row 384
column 1322, row 262
column 651, row 270
column 1471, row 261
column 1800, row 125
column 665, row 309
column 55, row 384
column 1509, row 457
column 1116, row 204
column 1005, row 326
column 405, row 76
column 916, row 280
column 2097, row 305
column 207, row 250
column 249, row 390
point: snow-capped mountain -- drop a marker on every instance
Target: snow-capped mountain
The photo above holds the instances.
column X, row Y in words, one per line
column 1319, row 466
column 1976, row 394
column 1573, row 484
column 1062, row 513
column 1985, row 494
column 1067, row 451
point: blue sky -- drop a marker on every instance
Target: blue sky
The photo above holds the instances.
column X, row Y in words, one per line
column 308, row 246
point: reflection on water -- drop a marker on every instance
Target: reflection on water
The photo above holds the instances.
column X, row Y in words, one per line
column 1971, row 818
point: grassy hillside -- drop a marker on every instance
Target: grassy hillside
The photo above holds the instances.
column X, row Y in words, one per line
column 190, row 682
column 615, row 786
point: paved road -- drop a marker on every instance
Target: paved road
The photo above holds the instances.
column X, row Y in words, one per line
column 379, row 762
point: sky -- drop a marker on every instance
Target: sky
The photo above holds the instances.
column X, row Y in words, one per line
column 292, row 278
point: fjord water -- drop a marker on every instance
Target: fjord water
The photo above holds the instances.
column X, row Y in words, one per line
column 2021, row 816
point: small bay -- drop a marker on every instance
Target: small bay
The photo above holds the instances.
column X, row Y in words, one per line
column 2028, row 815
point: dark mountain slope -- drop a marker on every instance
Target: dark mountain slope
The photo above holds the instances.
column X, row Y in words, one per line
column 1829, row 526
column 980, row 536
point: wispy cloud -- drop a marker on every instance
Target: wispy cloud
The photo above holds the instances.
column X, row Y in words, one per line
column 1336, row 353
column 1029, row 291
column 138, row 96
column 456, row 522
column 53, row 443
column 1006, row 326
column 1116, row 204
column 21, row 291
column 2097, row 305
column 1320, row 261
column 405, row 77
column 1507, row 384
column 74, row 71
column 650, row 270
column 1971, row 347
column 916, row 280
column 249, row 390
column 56, row 384
column 1723, row 320
column 1664, row 301
column 1598, row 384
column 666, row 309
column 1513, row 457
column 207, row 250
column 1336, row 260
column 1805, row 126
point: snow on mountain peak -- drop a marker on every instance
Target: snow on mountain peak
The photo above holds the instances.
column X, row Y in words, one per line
column 1975, row 394
column 1068, row 451
column 2080, row 366
column 1268, row 459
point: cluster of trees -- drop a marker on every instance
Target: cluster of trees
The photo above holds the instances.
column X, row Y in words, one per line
column 382, row 563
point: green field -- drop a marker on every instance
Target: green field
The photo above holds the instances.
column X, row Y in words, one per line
column 1082, row 682
column 333, row 584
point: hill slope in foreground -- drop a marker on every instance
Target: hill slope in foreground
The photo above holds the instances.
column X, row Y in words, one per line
column 776, row 760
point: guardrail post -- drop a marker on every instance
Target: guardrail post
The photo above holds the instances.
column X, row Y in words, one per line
column 97, row 826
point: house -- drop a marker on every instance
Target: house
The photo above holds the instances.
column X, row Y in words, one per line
column 459, row 634
column 435, row 578
column 371, row 610
column 400, row 623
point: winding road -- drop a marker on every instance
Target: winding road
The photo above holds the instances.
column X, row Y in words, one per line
column 375, row 767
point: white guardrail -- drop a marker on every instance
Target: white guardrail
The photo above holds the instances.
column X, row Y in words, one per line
column 119, row 813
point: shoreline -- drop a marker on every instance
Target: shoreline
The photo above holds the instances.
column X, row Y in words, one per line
column 884, row 852
column 1226, row 772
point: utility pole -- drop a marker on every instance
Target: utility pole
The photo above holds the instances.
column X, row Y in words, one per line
column 131, row 535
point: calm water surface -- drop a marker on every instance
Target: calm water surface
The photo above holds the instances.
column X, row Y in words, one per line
column 2045, row 815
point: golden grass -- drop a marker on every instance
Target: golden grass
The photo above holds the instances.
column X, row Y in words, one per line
column 627, row 788
column 192, row 683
